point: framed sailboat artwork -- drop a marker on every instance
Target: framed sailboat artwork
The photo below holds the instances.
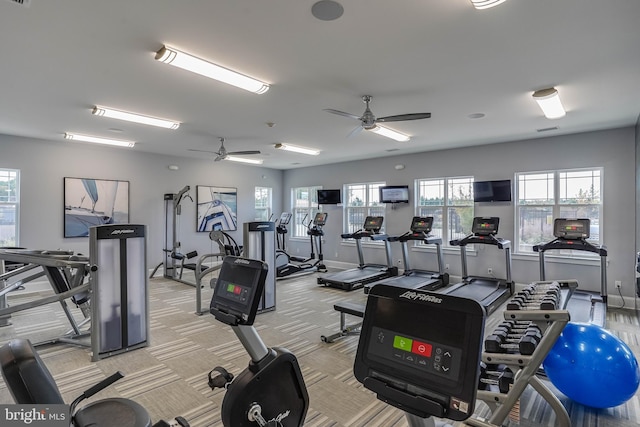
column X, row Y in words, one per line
column 89, row 202
column 217, row 208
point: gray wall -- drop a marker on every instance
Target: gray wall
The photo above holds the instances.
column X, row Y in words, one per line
column 44, row 164
column 614, row 150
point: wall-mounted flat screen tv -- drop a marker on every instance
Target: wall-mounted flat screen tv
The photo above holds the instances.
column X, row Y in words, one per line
column 394, row 194
column 492, row 191
column 329, row 197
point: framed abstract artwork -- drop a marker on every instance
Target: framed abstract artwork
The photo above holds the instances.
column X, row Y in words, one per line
column 89, row 202
column 217, row 208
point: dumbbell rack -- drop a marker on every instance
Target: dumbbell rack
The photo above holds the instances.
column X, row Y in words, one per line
column 551, row 324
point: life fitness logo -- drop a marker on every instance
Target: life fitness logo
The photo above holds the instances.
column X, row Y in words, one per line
column 413, row 296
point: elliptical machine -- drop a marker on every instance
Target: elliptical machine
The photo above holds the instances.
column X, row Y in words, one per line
column 291, row 266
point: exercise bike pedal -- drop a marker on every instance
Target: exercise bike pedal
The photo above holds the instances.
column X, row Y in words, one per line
column 219, row 378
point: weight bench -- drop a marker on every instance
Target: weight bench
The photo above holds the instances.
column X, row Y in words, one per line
column 350, row 308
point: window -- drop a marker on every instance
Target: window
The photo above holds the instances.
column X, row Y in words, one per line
column 305, row 206
column 362, row 200
column 544, row 196
column 450, row 202
column 9, row 206
column 263, row 203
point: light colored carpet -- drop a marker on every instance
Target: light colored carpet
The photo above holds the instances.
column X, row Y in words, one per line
column 169, row 377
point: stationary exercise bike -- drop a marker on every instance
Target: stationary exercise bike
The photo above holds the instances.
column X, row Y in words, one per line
column 419, row 351
column 271, row 390
column 291, row 266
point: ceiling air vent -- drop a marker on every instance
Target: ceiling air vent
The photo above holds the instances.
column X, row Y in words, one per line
column 391, row 150
column 24, row 3
column 547, row 129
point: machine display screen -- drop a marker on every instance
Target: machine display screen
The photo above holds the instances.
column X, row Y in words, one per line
column 572, row 228
column 373, row 223
column 238, row 290
column 485, row 226
column 422, row 224
column 320, row 219
column 417, row 346
column 435, row 352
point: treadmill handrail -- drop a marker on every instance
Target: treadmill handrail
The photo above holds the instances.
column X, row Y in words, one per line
column 482, row 239
column 575, row 244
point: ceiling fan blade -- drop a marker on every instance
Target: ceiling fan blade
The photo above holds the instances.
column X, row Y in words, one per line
column 341, row 113
column 402, row 117
column 355, row 131
column 241, row 153
column 202, row 151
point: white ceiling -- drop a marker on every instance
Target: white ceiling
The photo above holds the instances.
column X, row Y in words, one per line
column 60, row 58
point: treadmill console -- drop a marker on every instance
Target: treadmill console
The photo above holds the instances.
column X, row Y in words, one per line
column 320, row 219
column 420, row 224
column 485, row 226
column 373, row 224
column 420, row 351
column 238, row 290
column 571, row 229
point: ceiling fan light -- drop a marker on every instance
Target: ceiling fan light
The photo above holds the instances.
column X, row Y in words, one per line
column 486, row 4
column 177, row 58
column 97, row 140
column 390, row 133
column 134, row 117
column 549, row 102
column 297, row 149
column 244, row 160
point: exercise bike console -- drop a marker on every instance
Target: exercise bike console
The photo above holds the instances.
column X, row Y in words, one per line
column 234, row 299
column 420, row 351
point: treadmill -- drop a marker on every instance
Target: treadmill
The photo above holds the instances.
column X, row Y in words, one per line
column 490, row 292
column 415, row 278
column 583, row 306
column 355, row 278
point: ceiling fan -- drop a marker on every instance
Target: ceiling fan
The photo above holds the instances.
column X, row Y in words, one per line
column 369, row 121
column 222, row 152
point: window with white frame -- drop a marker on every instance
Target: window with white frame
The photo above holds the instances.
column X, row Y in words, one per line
column 9, row 206
column 450, row 202
column 263, row 203
column 544, row 196
column 362, row 200
column 305, row 206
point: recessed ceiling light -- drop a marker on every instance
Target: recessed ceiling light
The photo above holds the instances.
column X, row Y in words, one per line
column 327, row 10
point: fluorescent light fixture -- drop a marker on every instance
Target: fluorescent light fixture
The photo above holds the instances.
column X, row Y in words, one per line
column 175, row 57
column 549, row 102
column 486, row 4
column 133, row 117
column 297, row 149
column 390, row 133
column 244, row 160
column 98, row 140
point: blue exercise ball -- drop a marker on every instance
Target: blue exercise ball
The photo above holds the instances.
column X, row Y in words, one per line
column 592, row 366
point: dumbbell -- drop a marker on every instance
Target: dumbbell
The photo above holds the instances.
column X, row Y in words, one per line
column 520, row 302
column 499, row 375
column 525, row 343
